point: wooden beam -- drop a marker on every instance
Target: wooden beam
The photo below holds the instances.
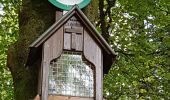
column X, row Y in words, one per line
column 74, row 30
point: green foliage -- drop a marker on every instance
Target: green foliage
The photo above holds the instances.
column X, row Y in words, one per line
column 140, row 34
column 8, row 35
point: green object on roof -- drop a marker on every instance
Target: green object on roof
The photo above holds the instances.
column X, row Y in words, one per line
column 68, row 4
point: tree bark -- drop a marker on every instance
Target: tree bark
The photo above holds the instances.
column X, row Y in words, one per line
column 35, row 17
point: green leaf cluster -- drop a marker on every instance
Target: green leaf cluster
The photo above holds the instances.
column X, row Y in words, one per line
column 8, row 35
column 140, row 34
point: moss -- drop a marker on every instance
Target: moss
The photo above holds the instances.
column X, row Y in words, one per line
column 33, row 22
column 25, row 80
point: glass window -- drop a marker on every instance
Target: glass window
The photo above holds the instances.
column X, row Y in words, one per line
column 70, row 75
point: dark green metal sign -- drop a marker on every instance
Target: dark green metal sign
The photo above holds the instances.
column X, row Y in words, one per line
column 67, row 4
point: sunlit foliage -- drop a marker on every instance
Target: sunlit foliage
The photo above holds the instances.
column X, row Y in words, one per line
column 140, row 34
column 8, row 35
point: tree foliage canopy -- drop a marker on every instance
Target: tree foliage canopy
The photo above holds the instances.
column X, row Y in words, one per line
column 139, row 31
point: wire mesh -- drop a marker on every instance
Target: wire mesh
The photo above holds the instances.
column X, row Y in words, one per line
column 70, row 75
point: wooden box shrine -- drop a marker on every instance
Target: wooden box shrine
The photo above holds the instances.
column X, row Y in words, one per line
column 74, row 58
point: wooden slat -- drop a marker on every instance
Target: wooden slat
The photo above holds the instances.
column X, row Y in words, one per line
column 79, row 42
column 45, row 81
column 51, row 97
column 52, row 49
column 93, row 53
column 57, row 43
column 73, row 41
column 75, row 22
column 54, row 46
column 74, row 30
column 67, row 41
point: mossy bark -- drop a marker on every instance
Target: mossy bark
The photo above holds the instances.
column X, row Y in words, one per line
column 34, row 18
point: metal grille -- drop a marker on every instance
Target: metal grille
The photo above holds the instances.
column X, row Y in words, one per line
column 70, row 75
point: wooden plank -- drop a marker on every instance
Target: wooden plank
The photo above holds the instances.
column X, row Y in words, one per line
column 75, row 22
column 52, row 49
column 73, row 41
column 74, row 30
column 67, row 41
column 54, row 46
column 79, row 42
column 44, row 94
column 93, row 53
column 45, row 63
column 92, row 49
column 76, row 41
column 57, row 43
column 99, row 78
column 72, row 23
column 51, row 97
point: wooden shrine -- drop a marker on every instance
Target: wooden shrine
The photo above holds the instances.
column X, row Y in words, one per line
column 74, row 58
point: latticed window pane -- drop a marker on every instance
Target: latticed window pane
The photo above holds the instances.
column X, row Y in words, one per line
column 70, row 75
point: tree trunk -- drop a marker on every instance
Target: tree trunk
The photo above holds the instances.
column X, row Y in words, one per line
column 34, row 18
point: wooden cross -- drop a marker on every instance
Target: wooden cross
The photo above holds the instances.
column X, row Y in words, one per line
column 76, row 38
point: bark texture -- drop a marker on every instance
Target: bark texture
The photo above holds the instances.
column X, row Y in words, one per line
column 34, row 18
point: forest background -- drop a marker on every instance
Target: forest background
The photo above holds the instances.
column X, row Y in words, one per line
column 138, row 31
